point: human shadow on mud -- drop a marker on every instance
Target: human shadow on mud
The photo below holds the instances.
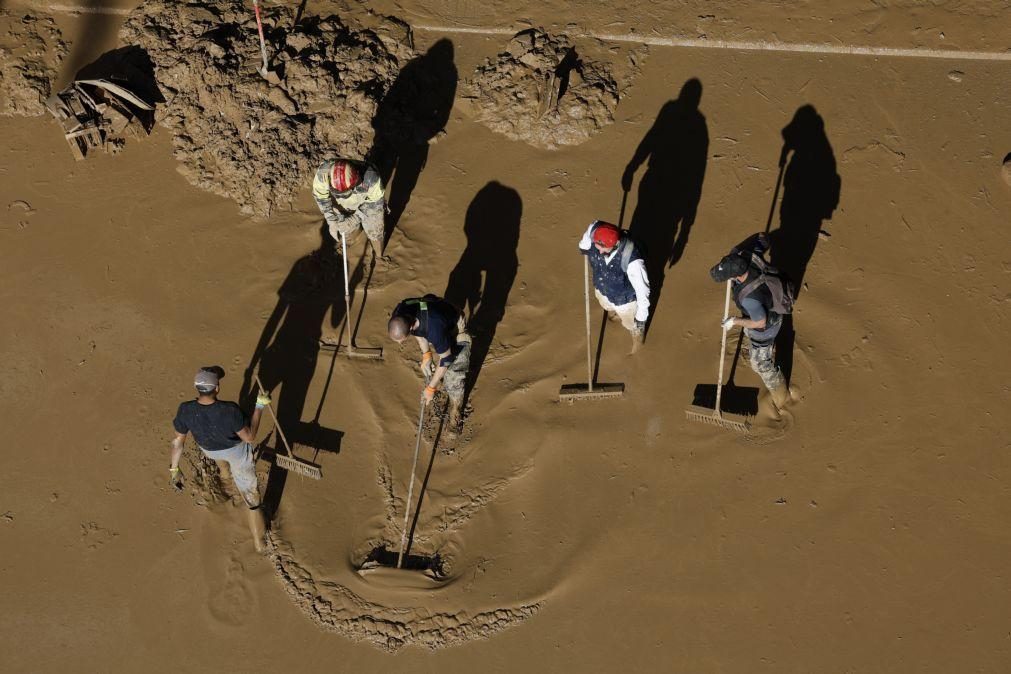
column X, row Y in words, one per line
column 811, row 189
column 288, row 350
column 481, row 281
column 95, row 28
column 676, row 147
column 413, row 112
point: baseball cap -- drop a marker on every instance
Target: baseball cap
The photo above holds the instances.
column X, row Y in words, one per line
column 205, row 379
column 731, row 266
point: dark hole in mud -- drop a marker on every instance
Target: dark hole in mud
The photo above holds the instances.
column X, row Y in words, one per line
column 381, row 556
column 564, row 70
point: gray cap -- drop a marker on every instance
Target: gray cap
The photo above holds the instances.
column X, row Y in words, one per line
column 205, row 379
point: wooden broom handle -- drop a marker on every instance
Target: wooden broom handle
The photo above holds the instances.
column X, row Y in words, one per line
column 723, row 351
column 273, row 417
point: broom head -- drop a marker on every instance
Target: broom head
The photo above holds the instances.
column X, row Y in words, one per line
column 573, row 392
column 293, row 464
column 730, row 422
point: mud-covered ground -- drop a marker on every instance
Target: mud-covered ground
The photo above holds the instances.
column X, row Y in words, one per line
column 863, row 531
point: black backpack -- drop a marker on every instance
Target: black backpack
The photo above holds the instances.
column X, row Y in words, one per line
column 780, row 287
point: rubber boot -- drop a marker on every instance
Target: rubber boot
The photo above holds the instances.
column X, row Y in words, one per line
column 257, row 527
column 637, row 340
column 454, row 422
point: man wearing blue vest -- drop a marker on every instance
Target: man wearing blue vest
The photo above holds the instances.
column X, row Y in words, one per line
column 620, row 282
column 439, row 328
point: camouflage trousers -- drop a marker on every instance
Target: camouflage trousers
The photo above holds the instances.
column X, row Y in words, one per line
column 763, row 363
column 370, row 216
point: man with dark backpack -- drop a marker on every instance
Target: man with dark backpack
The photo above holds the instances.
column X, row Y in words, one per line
column 620, row 282
column 763, row 296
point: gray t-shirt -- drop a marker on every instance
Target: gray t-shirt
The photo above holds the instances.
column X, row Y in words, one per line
column 756, row 312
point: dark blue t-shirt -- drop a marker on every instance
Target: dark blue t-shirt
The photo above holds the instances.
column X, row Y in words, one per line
column 437, row 324
column 213, row 426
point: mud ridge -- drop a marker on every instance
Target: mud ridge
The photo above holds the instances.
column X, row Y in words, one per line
column 335, row 608
column 546, row 91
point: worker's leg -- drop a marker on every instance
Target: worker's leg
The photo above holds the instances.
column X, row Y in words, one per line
column 626, row 312
column 763, row 364
column 373, row 218
column 243, row 469
column 605, row 304
column 454, row 382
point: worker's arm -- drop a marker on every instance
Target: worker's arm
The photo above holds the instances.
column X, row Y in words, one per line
column 747, row 323
column 178, row 442
column 248, row 433
column 586, row 242
column 433, row 384
column 640, row 283
column 757, row 317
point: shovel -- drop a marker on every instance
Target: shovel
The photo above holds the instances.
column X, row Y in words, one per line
column 267, row 74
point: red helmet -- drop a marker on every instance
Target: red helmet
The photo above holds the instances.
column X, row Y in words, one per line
column 606, row 234
column 345, row 175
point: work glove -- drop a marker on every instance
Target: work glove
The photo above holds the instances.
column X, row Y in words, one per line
column 262, row 400
column 176, row 479
column 728, row 323
column 428, row 394
column 427, row 365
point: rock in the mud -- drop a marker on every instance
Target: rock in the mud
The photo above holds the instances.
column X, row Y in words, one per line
column 241, row 137
column 31, row 51
column 546, row 91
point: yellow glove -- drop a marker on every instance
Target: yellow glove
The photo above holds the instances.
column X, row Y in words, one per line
column 262, row 400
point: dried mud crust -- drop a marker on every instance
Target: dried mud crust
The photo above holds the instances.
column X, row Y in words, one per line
column 31, row 51
column 239, row 136
column 545, row 91
column 336, row 608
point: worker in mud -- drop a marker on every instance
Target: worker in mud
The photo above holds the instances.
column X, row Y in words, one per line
column 445, row 347
column 620, row 281
column 221, row 432
column 763, row 296
column 350, row 196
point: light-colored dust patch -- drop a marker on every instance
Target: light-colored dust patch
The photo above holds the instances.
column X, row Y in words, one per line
column 547, row 91
column 235, row 134
column 336, row 608
column 31, row 50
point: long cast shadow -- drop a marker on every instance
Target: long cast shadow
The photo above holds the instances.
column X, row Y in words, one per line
column 676, row 147
column 288, row 349
column 414, row 111
column 481, row 281
column 811, row 189
column 94, row 28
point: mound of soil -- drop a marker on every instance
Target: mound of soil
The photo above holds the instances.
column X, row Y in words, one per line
column 241, row 137
column 545, row 92
column 31, row 50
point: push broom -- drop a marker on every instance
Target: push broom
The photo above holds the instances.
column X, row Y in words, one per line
column 350, row 350
column 731, row 422
column 290, row 462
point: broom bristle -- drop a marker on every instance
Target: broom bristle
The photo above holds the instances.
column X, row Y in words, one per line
column 295, row 465
column 717, row 420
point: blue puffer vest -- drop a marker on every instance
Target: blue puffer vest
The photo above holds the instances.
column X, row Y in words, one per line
column 611, row 278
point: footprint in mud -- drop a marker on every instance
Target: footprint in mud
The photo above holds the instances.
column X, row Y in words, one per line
column 231, row 602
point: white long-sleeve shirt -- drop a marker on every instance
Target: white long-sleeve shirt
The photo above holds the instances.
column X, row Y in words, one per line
column 636, row 273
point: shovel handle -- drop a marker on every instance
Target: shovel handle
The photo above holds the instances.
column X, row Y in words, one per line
column 259, row 28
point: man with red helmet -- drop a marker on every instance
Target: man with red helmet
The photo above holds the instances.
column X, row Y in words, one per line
column 619, row 275
column 350, row 196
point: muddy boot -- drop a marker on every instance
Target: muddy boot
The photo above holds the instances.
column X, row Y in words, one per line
column 258, row 527
column 638, row 337
column 781, row 397
column 454, row 421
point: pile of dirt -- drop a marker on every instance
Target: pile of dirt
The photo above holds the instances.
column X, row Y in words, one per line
column 241, row 137
column 544, row 91
column 31, row 50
